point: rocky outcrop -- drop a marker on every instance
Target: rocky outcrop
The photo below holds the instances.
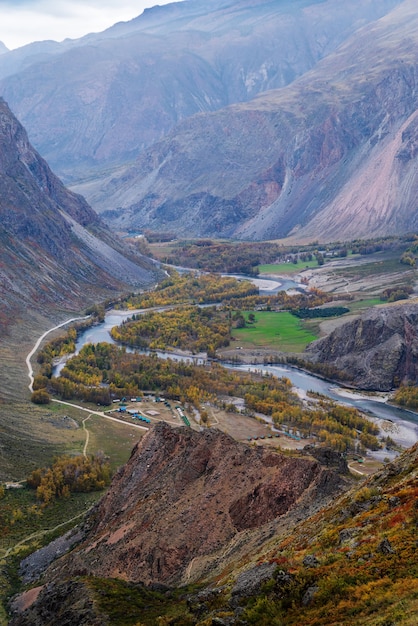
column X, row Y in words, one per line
column 281, row 579
column 375, row 351
column 183, row 496
column 69, row 604
column 329, row 458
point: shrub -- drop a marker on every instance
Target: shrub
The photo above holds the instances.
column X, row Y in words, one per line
column 40, row 396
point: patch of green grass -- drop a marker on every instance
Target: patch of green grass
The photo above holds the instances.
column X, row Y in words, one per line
column 116, row 440
column 20, row 516
column 282, row 331
column 286, row 268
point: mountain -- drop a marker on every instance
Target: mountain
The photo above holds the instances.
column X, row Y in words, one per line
column 185, row 499
column 210, row 489
column 97, row 102
column 331, row 156
column 378, row 350
column 264, row 539
column 54, row 248
column 3, row 48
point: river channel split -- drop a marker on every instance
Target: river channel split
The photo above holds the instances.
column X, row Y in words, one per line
column 402, row 425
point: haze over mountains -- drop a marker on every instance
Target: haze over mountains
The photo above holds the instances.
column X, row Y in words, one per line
column 246, row 119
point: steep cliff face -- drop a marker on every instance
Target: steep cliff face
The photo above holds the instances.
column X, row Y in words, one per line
column 375, row 351
column 330, row 156
column 53, row 245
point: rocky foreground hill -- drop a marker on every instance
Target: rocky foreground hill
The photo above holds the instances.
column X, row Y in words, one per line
column 185, row 497
column 246, row 526
column 376, row 351
column 54, row 248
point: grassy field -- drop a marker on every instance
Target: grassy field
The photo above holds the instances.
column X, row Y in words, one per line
column 116, row 440
column 282, row 331
column 286, row 268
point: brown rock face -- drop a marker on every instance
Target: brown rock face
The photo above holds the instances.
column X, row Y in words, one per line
column 375, row 350
column 184, row 495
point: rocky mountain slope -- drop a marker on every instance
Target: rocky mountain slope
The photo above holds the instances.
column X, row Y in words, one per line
column 99, row 101
column 246, row 509
column 375, row 351
column 332, row 155
column 183, row 498
column 54, row 248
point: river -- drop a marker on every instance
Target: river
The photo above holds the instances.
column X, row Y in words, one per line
column 400, row 424
column 269, row 285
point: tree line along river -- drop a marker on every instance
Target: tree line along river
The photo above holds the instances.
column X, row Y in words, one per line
column 404, row 428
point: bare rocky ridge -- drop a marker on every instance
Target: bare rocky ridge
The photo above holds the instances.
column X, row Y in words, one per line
column 184, row 497
column 377, row 350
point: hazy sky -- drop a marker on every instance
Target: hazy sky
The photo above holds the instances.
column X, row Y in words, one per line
column 24, row 21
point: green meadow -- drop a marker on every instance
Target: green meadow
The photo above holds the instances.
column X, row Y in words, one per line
column 280, row 330
column 286, row 268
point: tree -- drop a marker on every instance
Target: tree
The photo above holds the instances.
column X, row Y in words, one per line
column 40, row 396
column 40, row 382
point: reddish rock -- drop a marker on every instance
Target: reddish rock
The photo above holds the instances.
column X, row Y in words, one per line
column 184, row 495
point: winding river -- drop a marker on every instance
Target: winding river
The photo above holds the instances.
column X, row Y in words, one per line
column 400, row 424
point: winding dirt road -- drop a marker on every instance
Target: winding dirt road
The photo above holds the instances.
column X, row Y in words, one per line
column 38, row 343
column 76, row 406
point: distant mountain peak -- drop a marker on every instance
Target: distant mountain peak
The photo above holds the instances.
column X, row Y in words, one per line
column 241, row 118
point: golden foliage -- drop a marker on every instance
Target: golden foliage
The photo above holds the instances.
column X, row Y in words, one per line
column 186, row 328
column 70, row 474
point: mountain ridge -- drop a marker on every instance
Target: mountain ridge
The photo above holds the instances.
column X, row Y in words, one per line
column 145, row 76
column 53, row 243
column 291, row 162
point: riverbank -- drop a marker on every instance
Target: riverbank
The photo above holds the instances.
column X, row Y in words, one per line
column 400, row 425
